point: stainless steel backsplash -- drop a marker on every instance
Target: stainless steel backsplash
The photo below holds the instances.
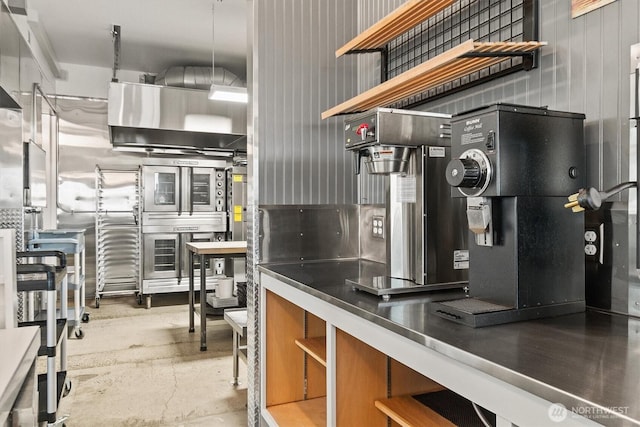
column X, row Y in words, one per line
column 314, row 232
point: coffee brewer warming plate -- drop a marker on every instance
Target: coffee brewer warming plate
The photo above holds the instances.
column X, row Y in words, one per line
column 384, row 286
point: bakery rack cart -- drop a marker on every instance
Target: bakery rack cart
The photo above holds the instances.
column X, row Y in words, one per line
column 118, row 245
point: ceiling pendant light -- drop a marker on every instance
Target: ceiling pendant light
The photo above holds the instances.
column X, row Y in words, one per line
column 221, row 92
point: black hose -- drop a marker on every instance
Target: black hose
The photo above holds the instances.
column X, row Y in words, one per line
column 618, row 188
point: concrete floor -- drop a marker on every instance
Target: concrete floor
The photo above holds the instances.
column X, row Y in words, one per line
column 139, row 367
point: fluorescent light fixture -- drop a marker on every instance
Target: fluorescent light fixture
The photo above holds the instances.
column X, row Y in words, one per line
column 222, row 92
column 228, row 93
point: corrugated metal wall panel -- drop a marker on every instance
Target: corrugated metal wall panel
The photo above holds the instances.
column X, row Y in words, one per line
column 592, row 62
column 371, row 188
column 302, row 158
column 629, row 30
column 294, row 156
column 610, row 166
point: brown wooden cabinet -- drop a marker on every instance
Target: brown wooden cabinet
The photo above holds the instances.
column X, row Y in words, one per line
column 296, row 379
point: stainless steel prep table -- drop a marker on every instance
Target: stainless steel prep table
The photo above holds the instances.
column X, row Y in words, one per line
column 206, row 250
column 586, row 360
column 15, row 364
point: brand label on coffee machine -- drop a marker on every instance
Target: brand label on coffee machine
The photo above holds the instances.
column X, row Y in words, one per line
column 437, row 152
column 461, row 260
column 472, row 132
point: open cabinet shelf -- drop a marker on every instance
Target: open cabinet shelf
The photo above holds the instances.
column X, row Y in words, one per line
column 408, row 412
column 311, row 412
column 391, row 26
column 434, row 408
column 315, row 347
column 296, row 387
column 457, row 62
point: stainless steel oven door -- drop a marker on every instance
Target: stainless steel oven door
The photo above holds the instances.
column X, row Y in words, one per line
column 202, row 189
column 162, row 189
column 209, row 263
column 162, row 256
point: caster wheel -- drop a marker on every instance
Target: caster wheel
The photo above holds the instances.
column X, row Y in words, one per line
column 79, row 334
column 139, row 299
column 97, row 302
column 85, row 318
column 67, row 389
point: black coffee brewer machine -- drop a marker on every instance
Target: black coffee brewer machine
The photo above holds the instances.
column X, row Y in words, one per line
column 515, row 165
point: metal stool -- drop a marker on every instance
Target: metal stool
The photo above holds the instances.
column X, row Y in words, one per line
column 237, row 318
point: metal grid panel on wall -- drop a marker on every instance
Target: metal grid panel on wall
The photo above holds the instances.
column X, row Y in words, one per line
column 480, row 20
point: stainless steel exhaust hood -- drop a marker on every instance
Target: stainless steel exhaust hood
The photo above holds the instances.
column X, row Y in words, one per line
column 149, row 117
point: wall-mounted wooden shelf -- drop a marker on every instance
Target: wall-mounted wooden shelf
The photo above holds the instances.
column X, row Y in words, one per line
column 457, row 62
column 391, row 26
column 315, row 347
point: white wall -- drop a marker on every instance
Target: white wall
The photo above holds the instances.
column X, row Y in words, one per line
column 89, row 81
column 8, row 292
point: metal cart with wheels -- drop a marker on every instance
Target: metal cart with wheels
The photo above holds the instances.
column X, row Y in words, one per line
column 71, row 242
column 48, row 279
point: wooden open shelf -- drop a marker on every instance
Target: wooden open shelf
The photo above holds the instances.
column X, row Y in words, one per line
column 459, row 61
column 315, row 347
column 391, row 26
column 312, row 412
column 408, row 412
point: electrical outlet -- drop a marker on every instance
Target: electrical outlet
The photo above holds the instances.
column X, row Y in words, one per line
column 218, row 266
column 591, row 238
column 377, row 226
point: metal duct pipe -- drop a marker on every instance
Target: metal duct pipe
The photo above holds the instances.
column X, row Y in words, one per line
column 197, row 77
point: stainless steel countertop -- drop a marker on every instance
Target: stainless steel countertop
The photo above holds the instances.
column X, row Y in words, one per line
column 19, row 350
column 586, row 360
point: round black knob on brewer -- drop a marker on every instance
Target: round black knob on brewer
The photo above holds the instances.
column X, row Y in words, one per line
column 464, row 173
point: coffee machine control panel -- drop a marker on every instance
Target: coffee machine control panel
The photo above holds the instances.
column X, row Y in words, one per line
column 471, row 173
column 394, row 127
column 361, row 131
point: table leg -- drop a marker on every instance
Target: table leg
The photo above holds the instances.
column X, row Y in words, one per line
column 191, row 292
column 236, row 344
column 203, row 304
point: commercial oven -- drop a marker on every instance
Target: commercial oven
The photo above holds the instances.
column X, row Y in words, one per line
column 164, row 258
column 184, row 200
column 183, row 189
